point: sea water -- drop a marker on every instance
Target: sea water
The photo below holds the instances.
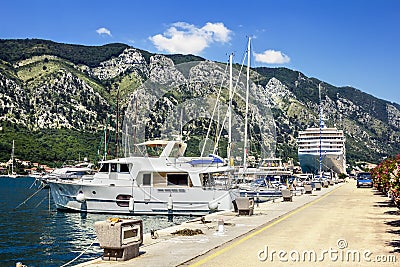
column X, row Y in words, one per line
column 33, row 232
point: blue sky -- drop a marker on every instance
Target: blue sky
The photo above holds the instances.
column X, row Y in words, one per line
column 341, row 42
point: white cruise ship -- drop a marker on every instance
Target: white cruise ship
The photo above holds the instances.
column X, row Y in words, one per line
column 325, row 144
column 322, row 149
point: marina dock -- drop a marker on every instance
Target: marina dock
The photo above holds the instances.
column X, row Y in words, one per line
column 341, row 218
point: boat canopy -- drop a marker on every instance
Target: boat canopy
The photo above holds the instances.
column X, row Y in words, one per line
column 154, row 143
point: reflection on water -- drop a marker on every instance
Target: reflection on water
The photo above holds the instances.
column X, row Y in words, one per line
column 36, row 236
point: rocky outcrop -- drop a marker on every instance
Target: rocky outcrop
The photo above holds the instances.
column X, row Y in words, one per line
column 131, row 60
column 76, row 96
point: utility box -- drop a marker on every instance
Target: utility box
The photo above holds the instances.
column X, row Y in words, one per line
column 287, row 195
column 317, row 186
column 120, row 238
column 245, row 205
column 307, row 189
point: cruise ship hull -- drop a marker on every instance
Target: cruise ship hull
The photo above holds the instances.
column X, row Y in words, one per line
column 309, row 163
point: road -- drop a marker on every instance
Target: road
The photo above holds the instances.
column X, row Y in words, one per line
column 346, row 227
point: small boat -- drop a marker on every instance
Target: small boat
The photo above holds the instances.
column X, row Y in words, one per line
column 260, row 188
column 65, row 173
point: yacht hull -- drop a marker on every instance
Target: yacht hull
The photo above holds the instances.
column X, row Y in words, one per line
column 146, row 200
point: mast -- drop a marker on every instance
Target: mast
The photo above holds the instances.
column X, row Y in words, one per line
column 230, row 113
column 247, row 108
column 215, row 151
column 181, row 126
column 117, row 126
column 321, row 125
column 135, row 127
column 12, row 159
column 105, row 142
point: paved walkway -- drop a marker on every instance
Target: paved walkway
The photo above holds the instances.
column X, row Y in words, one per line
column 341, row 218
column 348, row 227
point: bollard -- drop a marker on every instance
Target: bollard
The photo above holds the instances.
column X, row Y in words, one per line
column 154, row 234
column 221, row 226
column 258, row 199
column 170, row 206
column 131, row 205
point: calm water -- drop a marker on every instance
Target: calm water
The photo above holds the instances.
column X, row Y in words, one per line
column 35, row 236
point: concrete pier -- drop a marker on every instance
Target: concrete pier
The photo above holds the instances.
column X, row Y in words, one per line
column 340, row 215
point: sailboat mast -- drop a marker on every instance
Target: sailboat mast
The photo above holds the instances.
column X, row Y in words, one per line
column 12, row 159
column 245, row 149
column 135, row 127
column 105, row 142
column 230, row 112
column 320, row 132
column 117, row 125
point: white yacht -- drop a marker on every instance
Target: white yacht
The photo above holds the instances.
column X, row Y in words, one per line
column 161, row 184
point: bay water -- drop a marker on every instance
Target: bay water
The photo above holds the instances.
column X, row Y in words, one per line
column 33, row 232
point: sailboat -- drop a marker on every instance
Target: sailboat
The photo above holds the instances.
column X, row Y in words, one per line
column 12, row 174
column 263, row 180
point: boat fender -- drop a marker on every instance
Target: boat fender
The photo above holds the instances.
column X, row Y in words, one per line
column 131, row 204
column 213, row 205
column 170, row 204
column 80, row 197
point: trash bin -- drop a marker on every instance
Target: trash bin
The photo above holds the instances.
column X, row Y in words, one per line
column 120, row 238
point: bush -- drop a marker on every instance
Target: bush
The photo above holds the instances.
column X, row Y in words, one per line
column 386, row 178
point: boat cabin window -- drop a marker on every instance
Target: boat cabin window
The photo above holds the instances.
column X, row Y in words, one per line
column 177, row 179
column 176, row 150
column 113, row 167
column 104, row 168
column 147, row 179
column 124, row 168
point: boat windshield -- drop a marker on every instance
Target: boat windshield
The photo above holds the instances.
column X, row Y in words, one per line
column 157, row 148
column 152, row 148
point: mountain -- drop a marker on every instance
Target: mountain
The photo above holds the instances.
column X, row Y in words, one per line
column 57, row 101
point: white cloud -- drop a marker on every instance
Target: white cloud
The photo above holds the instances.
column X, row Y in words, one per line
column 272, row 57
column 103, row 31
column 217, row 31
column 185, row 38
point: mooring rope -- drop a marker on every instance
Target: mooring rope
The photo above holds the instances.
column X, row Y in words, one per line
column 80, row 255
column 26, row 200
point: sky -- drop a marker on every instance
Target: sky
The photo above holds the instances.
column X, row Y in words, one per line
column 341, row 42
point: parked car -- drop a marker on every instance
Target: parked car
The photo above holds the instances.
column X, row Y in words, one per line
column 364, row 179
